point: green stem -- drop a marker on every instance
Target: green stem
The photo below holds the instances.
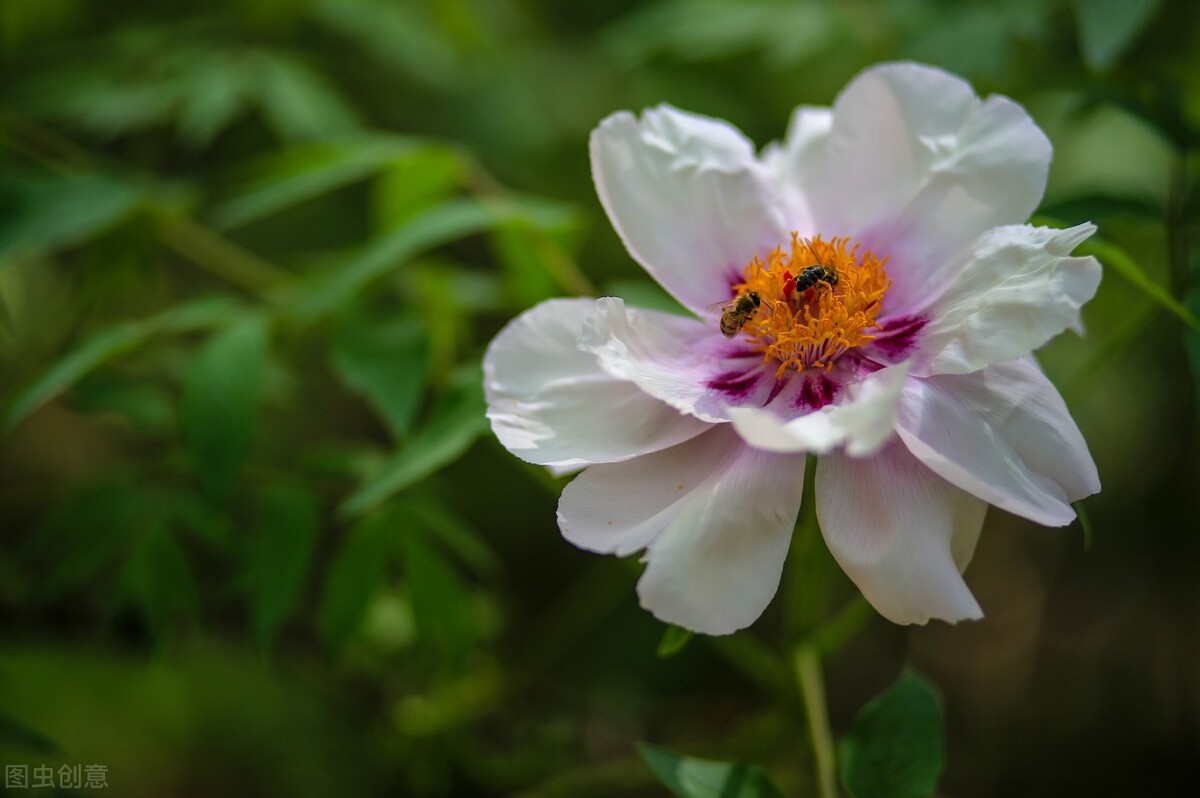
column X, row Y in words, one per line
column 807, row 663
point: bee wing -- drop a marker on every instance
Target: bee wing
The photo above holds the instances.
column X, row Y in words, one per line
column 722, row 306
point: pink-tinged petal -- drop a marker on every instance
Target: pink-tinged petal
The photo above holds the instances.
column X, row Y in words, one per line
column 550, row 403
column 915, row 166
column 862, row 422
column 687, row 197
column 716, row 519
column 795, row 164
column 1003, row 434
column 681, row 361
column 1018, row 287
column 901, row 533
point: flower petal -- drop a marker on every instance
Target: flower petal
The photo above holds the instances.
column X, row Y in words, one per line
column 552, row 404
column 795, row 165
column 915, row 166
column 1004, row 434
column 862, row 423
column 688, row 199
column 1017, row 289
column 901, row 533
column 717, row 519
column 681, row 361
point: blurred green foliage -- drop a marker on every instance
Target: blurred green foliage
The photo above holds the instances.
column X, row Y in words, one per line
column 256, row 539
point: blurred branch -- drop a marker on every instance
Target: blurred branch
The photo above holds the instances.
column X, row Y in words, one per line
column 177, row 230
column 220, row 256
column 807, row 662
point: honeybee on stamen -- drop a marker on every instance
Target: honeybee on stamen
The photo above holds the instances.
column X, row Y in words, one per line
column 817, row 273
column 736, row 312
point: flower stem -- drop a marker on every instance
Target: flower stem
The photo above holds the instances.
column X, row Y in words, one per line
column 807, row 662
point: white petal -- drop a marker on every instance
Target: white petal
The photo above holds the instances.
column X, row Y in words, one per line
column 915, row 166
column 862, row 423
column 717, row 519
column 552, row 404
column 1018, row 288
column 795, row 165
column 687, row 197
column 678, row 360
column 901, row 533
column 1004, row 434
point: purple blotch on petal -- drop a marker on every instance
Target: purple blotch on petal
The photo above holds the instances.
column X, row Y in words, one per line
column 898, row 336
column 735, row 384
column 779, row 385
column 816, row 392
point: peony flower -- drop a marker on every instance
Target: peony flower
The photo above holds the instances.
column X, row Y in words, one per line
column 909, row 373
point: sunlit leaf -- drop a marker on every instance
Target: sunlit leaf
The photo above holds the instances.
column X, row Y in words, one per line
column 45, row 213
column 387, row 361
column 673, row 641
column 355, row 577
column 408, row 184
column 110, row 344
column 220, row 401
column 1108, row 28
column 894, row 748
column 455, row 425
column 285, row 533
column 689, row 777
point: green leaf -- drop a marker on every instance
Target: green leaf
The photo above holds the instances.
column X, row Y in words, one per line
column 109, row 344
column 46, row 213
column 355, row 577
column 409, row 184
column 1118, row 260
column 435, row 227
column 458, row 421
column 215, row 94
column 146, row 407
column 673, row 641
column 688, row 777
column 297, row 174
column 454, row 535
column 157, row 582
column 1191, row 337
column 441, row 611
column 1107, row 28
column 88, row 532
column 1085, row 522
column 299, row 102
column 387, row 361
column 15, row 734
column 894, row 747
column 220, row 402
column 285, row 535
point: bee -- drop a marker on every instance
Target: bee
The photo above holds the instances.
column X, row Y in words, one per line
column 812, row 275
column 736, row 312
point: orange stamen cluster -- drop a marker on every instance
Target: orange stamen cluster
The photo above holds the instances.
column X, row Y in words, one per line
column 810, row 329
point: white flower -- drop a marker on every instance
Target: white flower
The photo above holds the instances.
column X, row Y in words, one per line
column 911, row 377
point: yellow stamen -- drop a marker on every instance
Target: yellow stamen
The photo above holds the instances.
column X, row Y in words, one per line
column 810, row 329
